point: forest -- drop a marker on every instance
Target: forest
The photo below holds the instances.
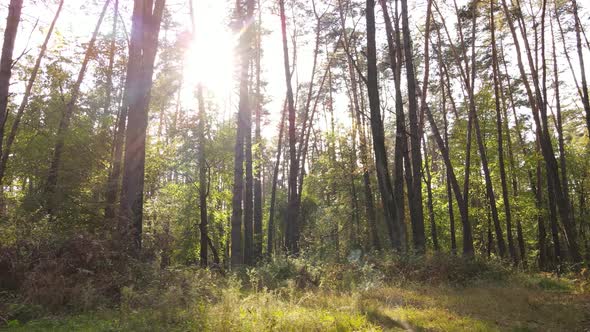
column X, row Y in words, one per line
column 294, row 165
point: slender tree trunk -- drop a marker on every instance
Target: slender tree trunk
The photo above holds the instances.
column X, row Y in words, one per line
column 113, row 182
column 383, row 178
column 559, row 127
column 203, row 183
column 273, row 190
column 448, row 177
column 248, row 197
column 142, row 54
column 524, row 150
column 238, row 256
column 12, row 22
column 468, row 249
column 433, row 231
column 505, row 198
column 395, row 59
column 364, row 154
column 416, row 208
column 542, row 233
column 26, row 95
column 112, row 52
column 292, row 236
column 258, row 141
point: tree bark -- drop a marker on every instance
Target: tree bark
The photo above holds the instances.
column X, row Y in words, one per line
column 416, row 207
column 142, row 54
column 505, row 198
column 12, row 22
column 383, row 178
column 258, row 142
column 292, row 220
column 401, row 145
column 238, row 256
column 273, row 190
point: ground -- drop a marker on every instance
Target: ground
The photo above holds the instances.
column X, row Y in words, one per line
column 534, row 303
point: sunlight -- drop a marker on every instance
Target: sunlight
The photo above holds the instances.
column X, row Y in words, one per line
column 209, row 59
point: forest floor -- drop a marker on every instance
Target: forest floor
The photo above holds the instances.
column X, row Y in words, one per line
column 348, row 301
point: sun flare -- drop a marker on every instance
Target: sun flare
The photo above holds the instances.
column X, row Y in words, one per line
column 209, row 60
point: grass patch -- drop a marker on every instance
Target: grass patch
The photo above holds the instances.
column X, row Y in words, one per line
column 292, row 295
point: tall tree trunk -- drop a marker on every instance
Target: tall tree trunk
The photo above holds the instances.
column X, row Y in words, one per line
column 140, row 68
column 248, row 193
column 112, row 52
column 26, row 95
column 542, row 233
column 273, row 189
column 292, row 220
column 448, row 180
column 12, row 22
column 383, row 178
column 416, row 208
column 505, row 198
column 114, row 174
column 203, row 183
column 524, row 150
column 468, row 249
column 238, row 256
column 401, row 145
column 364, row 154
column 52, row 177
column 258, row 142
column 433, row 231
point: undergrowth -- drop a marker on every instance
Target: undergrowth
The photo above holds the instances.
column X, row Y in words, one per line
column 83, row 286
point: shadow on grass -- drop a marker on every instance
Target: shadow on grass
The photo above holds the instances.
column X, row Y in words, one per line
column 377, row 317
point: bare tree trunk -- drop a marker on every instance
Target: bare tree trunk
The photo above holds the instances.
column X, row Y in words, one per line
column 12, row 22
column 112, row 52
column 383, row 178
column 416, row 207
column 433, row 231
column 499, row 128
column 203, row 183
column 238, row 256
column 26, row 95
column 248, row 194
column 401, row 145
column 273, row 190
column 142, row 54
column 258, row 142
column 292, row 236
column 115, row 170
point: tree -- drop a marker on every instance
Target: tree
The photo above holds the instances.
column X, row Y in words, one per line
column 415, row 190
column 12, row 22
column 292, row 222
column 383, row 178
column 243, row 130
column 142, row 54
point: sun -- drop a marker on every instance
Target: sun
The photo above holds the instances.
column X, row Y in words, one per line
column 209, row 60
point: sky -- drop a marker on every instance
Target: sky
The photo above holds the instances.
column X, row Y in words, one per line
column 215, row 66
